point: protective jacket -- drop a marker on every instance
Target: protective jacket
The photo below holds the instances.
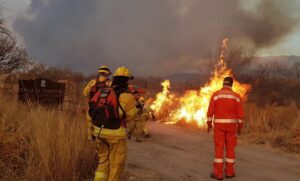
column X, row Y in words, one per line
column 226, row 112
column 138, row 127
column 225, row 106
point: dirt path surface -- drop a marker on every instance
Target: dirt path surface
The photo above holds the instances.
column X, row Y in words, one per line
column 175, row 154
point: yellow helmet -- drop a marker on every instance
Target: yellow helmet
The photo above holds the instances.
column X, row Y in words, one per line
column 124, row 72
column 104, row 69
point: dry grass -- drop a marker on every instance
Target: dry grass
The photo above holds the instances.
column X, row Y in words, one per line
column 36, row 144
column 275, row 125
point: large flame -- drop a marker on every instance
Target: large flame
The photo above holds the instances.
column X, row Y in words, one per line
column 193, row 104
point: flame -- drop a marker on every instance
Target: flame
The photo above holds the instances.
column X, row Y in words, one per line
column 162, row 98
column 193, row 104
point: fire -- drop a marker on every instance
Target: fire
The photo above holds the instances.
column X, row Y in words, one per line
column 162, row 98
column 193, row 104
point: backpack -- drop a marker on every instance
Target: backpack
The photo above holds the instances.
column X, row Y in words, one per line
column 104, row 109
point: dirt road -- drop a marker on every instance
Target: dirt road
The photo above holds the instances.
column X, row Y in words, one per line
column 175, row 154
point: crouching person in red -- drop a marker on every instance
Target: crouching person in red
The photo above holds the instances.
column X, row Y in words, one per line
column 225, row 111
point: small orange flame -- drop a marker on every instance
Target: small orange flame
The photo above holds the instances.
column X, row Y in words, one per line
column 193, row 104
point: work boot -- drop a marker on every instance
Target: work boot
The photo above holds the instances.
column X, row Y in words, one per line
column 214, row 177
column 231, row 176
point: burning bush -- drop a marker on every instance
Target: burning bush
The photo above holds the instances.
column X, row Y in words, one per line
column 192, row 105
column 272, row 115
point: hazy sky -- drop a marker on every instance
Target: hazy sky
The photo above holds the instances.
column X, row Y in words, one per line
column 12, row 7
column 142, row 48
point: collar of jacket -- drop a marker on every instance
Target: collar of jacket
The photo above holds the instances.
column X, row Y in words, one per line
column 227, row 87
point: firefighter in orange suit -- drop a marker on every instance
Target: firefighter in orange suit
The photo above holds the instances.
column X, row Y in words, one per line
column 226, row 112
column 91, row 88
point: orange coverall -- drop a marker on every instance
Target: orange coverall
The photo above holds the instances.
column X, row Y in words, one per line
column 226, row 112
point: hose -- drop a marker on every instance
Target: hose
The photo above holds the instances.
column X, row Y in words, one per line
column 97, row 148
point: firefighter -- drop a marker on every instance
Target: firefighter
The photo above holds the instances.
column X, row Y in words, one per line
column 225, row 111
column 132, row 125
column 101, row 81
column 145, row 117
column 112, row 143
column 148, row 103
column 138, row 128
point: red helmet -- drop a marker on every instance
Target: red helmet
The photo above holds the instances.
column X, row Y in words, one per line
column 141, row 91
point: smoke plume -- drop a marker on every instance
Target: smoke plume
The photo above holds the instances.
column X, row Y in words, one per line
column 149, row 36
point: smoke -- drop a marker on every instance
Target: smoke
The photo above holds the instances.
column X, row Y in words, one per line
column 271, row 21
column 150, row 37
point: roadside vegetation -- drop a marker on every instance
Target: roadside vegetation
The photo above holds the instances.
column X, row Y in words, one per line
column 36, row 143
column 278, row 126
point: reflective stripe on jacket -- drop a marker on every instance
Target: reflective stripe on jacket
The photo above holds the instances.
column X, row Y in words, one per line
column 225, row 106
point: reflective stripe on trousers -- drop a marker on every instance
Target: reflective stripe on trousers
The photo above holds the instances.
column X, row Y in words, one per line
column 225, row 120
column 229, row 160
column 100, row 176
column 218, row 160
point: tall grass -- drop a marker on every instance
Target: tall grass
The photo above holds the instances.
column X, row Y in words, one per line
column 275, row 125
column 39, row 144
